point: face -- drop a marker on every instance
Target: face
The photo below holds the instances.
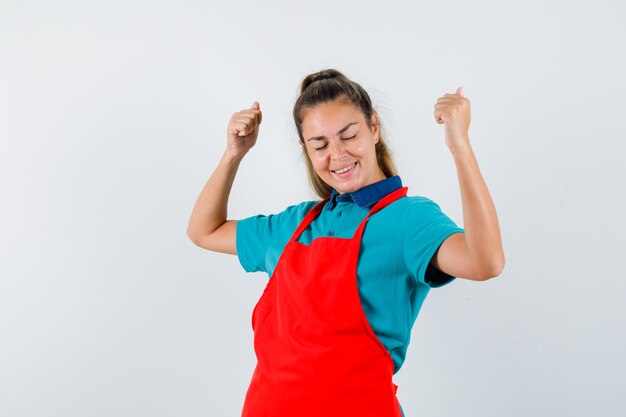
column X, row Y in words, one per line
column 336, row 137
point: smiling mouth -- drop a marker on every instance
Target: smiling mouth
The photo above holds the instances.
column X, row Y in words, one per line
column 350, row 167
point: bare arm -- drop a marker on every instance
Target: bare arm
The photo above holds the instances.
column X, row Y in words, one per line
column 476, row 254
column 208, row 227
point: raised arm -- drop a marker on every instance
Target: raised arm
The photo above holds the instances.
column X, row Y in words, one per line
column 476, row 254
column 208, row 227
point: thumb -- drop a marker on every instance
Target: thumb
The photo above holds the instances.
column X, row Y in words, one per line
column 256, row 105
column 459, row 91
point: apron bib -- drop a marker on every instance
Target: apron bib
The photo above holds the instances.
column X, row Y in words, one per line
column 317, row 355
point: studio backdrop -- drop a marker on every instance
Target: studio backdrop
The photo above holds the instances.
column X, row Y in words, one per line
column 113, row 115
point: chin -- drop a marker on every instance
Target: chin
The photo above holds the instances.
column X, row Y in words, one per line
column 343, row 190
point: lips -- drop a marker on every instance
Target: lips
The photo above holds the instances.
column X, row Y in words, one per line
column 343, row 167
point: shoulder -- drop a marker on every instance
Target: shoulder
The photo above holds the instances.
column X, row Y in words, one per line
column 391, row 220
column 297, row 211
column 418, row 213
column 417, row 201
column 412, row 204
column 405, row 208
column 292, row 213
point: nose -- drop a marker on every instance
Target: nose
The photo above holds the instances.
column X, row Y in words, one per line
column 337, row 150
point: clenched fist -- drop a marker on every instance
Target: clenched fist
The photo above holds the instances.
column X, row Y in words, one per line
column 242, row 130
column 453, row 110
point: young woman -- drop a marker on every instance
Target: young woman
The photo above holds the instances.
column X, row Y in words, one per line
column 349, row 273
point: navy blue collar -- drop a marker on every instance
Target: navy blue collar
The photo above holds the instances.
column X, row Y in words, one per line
column 368, row 195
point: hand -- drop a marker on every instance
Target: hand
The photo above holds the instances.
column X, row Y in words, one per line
column 453, row 110
column 242, row 131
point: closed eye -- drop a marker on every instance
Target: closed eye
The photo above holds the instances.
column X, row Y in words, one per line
column 322, row 147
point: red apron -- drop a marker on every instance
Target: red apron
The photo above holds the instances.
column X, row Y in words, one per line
column 317, row 355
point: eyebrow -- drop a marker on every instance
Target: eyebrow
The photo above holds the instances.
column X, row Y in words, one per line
column 339, row 132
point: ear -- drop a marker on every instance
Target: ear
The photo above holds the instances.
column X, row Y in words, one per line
column 375, row 127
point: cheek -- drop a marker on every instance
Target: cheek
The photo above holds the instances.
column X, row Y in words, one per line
column 321, row 167
column 319, row 158
column 356, row 147
column 318, row 161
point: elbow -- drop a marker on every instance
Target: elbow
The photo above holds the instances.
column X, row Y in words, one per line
column 193, row 240
column 492, row 269
column 193, row 237
column 196, row 234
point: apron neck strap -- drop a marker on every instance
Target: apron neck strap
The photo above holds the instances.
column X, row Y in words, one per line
column 382, row 203
column 315, row 211
column 310, row 216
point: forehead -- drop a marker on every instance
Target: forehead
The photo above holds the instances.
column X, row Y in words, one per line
column 329, row 117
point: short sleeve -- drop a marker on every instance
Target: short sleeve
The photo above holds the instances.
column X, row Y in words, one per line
column 425, row 229
column 255, row 235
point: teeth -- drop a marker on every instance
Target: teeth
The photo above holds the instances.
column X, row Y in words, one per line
column 341, row 171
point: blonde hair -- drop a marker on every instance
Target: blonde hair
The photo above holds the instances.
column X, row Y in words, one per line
column 331, row 85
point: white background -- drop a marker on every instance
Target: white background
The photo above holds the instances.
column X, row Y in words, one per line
column 113, row 116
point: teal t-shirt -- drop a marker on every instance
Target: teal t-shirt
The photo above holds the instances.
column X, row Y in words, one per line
column 393, row 271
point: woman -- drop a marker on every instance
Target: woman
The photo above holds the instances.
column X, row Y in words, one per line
column 349, row 273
